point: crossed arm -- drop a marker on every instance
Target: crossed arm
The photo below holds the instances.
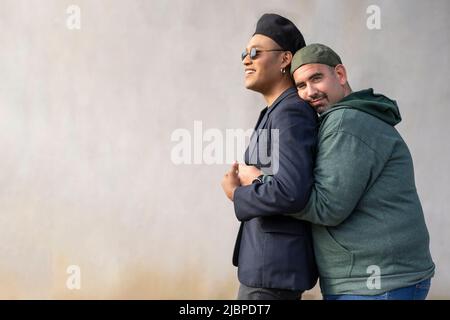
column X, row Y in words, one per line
column 339, row 183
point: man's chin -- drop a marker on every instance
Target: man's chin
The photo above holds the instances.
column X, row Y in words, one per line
column 321, row 108
column 251, row 86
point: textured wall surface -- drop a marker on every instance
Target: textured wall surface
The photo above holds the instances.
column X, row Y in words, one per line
column 86, row 118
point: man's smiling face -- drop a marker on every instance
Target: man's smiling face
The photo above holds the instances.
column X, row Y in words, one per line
column 320, row 85
column 263, row 70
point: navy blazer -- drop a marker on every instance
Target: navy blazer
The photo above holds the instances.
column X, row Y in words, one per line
column 273, row 250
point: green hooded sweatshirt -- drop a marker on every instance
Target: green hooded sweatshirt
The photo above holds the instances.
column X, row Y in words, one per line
column 368, row 226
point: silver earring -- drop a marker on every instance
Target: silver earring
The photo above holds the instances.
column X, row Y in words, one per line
column 283, row 71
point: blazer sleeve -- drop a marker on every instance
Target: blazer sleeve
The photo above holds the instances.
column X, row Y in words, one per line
column 290, row 187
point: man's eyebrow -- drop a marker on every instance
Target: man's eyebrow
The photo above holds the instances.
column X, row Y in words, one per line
column 250, row 48
column 310, row 77
column 297, row 84
column 315, row 75
column 257, row 47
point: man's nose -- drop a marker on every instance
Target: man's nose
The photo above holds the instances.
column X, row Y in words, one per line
column 311, row 91
column 247, row 61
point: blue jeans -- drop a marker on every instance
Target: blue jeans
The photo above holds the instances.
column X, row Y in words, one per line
column 417, row 291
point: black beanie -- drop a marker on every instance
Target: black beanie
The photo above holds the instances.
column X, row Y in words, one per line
column 280, row 30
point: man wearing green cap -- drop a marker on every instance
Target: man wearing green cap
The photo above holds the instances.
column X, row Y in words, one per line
column 370, row 236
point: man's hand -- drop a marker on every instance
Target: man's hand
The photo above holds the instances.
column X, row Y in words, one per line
column 231, row 181
column 248, row 173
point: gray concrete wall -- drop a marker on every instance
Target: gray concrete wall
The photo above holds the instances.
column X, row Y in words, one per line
column 86, row 118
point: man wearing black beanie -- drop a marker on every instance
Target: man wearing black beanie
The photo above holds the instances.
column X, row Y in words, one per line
column 273, row 252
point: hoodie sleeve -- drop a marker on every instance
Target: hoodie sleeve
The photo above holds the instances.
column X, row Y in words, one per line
column 345, row 169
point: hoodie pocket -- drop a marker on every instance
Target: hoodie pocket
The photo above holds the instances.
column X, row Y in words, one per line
column 333, row 260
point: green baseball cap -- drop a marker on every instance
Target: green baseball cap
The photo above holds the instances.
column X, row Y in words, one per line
column 315, row 53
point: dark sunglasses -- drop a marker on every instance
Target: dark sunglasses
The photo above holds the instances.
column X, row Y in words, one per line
column 254, row 53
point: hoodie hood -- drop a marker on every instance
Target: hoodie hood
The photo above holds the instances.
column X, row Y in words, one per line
column 377, row 105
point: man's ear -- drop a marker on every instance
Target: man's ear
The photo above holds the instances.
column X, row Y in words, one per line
column 341, row 74
column 287, row 59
